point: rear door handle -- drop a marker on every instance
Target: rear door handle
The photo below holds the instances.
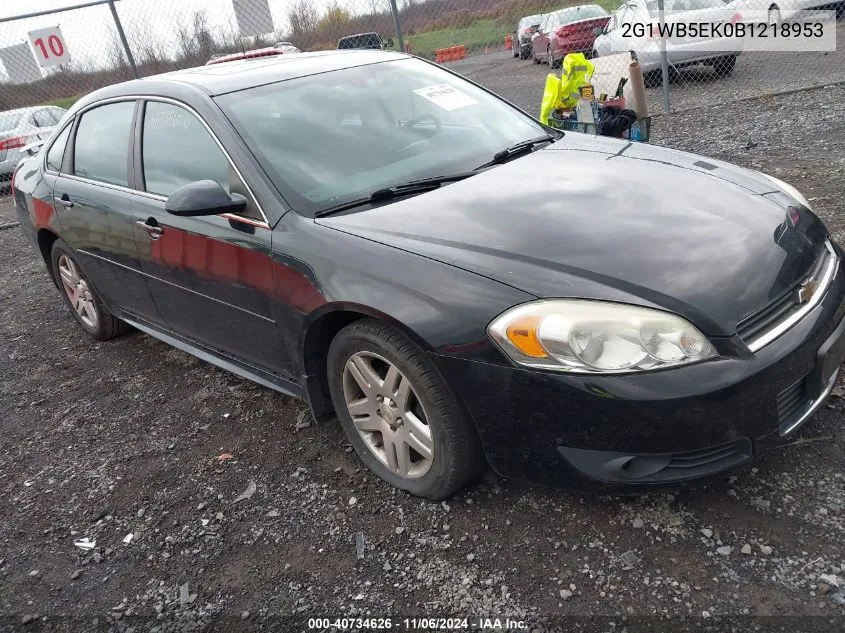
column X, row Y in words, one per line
column 64, row 200
column 154, row 232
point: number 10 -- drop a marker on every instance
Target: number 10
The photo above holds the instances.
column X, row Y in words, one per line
column 55, row 44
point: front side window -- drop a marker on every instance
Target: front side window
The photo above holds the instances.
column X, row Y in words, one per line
column 333, row 137
column 101, row 149
column 57, row 150
column 168, row 126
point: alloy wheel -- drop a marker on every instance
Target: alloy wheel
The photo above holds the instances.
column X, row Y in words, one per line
column 388, row 414
column 78, row 292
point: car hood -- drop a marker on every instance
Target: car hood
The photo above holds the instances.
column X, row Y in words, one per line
column 599, row 218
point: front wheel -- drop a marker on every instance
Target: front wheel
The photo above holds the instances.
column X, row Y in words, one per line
column 81, row 297
column 398, row 413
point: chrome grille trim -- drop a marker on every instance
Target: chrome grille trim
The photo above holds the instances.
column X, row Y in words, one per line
column 824, row 284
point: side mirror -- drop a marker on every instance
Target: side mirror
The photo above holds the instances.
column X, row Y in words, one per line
column 203, row 197
column 598, row 31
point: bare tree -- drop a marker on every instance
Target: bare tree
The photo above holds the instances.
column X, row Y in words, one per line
column 303, row 18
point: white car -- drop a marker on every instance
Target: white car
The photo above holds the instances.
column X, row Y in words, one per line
column 777, row 11
column 20, row 129
column 678, row 52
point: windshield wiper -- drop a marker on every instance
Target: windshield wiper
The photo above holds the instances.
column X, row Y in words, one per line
column 402, row 189
column 517, row 149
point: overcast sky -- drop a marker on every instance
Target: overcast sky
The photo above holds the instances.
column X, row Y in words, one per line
column 89, row 32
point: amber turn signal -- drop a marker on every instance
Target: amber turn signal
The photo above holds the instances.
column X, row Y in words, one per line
column 523, row 334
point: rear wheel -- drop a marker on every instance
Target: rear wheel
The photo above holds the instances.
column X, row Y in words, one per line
column 398, row 413
column 724, row 66
column 515, row 46
column 81, row 297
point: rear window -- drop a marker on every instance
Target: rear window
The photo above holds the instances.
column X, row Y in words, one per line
column 101, row 151
column 573, row 14
column 9, row 120
column 365, row 40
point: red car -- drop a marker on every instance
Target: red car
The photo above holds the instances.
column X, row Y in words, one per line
column 272, row 51
column 566, row 31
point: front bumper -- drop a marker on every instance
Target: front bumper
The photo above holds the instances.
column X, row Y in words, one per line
column 652, row 428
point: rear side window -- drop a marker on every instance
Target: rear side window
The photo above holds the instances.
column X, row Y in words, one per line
column 177, row 149
column 43, row 118
column 101, row 150
column 57, row 150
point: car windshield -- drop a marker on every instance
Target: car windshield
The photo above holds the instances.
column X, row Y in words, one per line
column 531, row 20
column 9, row 120
column 334, row 137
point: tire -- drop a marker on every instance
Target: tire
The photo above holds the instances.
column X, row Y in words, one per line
column 90, row 312
column 654, row 78
column 515, row 46
column 524, row 52
column 724, row 66
column 455, row 452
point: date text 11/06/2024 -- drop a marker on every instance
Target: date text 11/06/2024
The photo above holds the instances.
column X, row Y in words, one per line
column 480, row 623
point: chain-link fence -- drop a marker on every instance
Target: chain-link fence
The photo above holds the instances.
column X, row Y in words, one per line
column 508, row 45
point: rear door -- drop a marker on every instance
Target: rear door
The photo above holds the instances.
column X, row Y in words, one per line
column 211, row 277
column 92, row 195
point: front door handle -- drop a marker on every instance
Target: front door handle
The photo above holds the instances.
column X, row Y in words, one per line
column 64, row 200
column 153, row 231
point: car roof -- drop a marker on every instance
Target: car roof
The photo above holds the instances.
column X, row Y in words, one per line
column 26, row 110
column 218, row 79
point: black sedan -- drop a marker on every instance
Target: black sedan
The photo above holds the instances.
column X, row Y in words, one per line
column 455, row 282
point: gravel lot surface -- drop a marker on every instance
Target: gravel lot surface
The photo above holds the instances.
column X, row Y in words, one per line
column 756, row 73
column 216, row 505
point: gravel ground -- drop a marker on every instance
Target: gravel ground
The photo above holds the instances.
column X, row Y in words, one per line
column 216, row 504
column 756, row 73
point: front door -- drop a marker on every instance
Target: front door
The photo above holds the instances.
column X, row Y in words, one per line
column 211, row 277
column 91, row 194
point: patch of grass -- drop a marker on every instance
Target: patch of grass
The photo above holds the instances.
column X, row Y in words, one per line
column 477, row 35
column 63, row 103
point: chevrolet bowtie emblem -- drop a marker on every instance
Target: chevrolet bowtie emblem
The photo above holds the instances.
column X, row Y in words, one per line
column 807, row 290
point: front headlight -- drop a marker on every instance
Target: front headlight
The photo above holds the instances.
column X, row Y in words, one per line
column 788, row 189
column 597, row 337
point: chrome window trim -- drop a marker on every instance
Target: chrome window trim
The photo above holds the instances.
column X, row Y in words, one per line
column 828, row 276
column 182, row 104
